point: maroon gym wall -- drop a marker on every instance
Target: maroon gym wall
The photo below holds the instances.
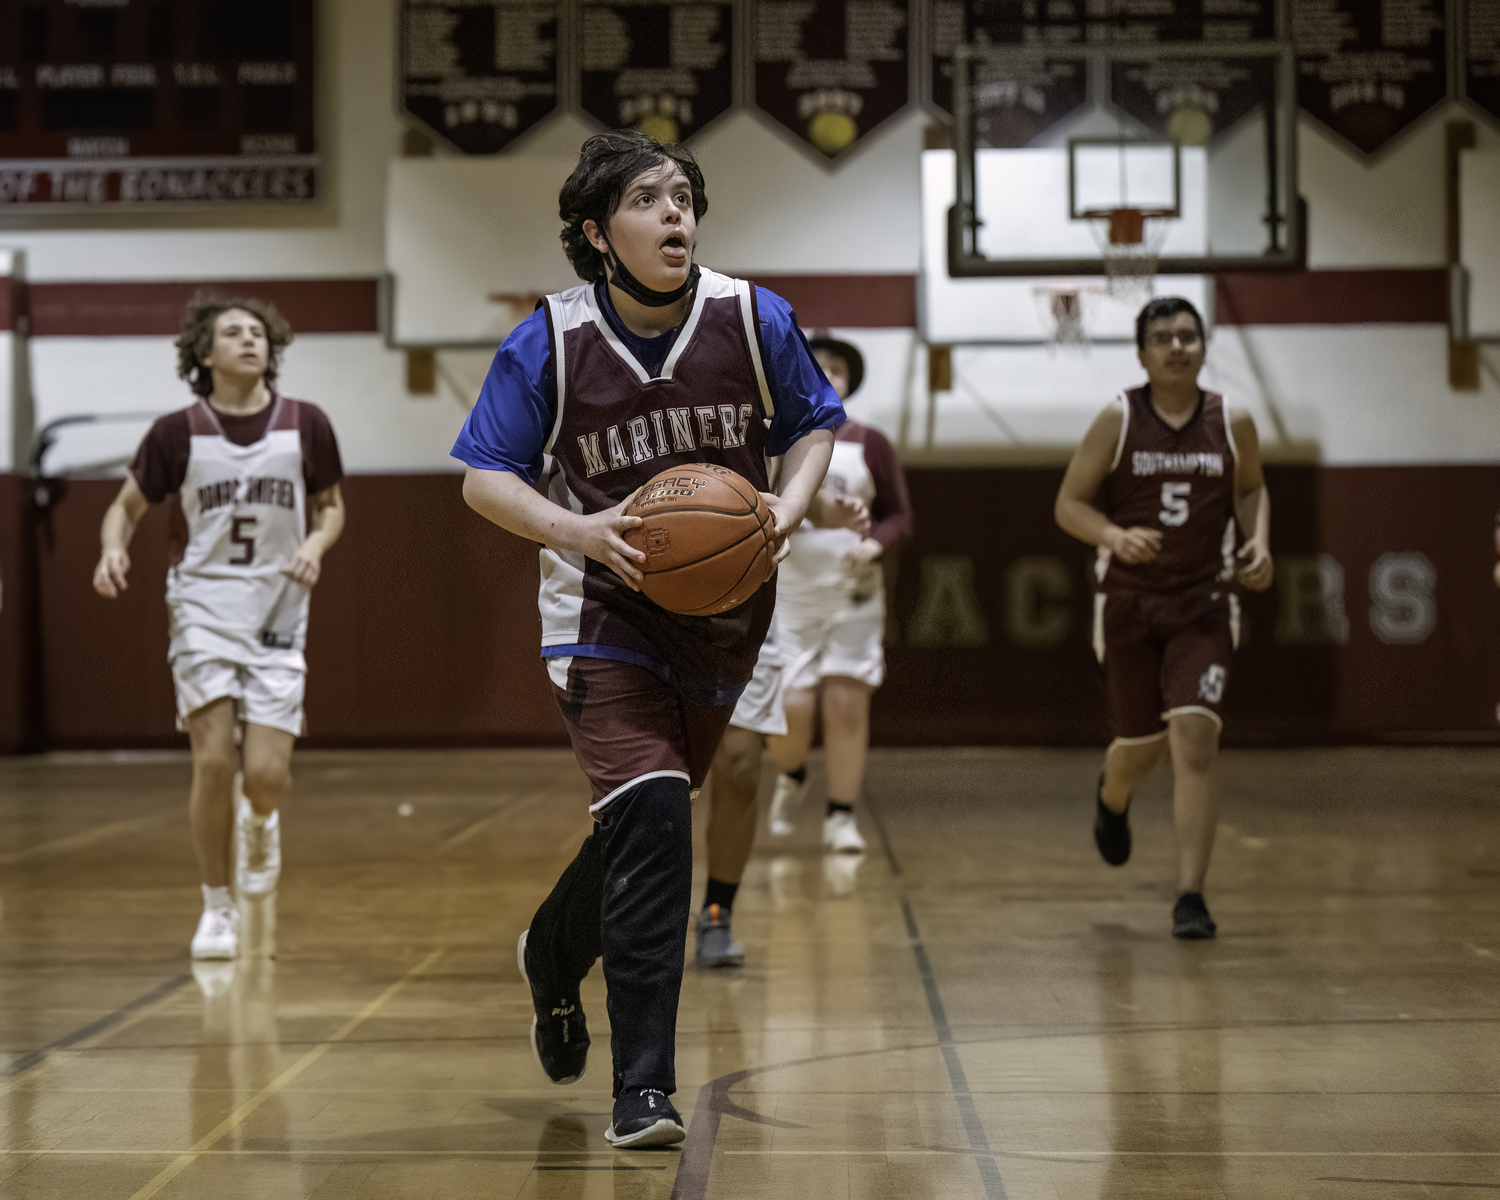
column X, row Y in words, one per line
column 424, row 629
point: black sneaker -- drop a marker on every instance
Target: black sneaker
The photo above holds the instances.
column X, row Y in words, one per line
column 1190, row 917
column 644, row 1117
column 1111, row 829
column 559, row 1033
column 716, row 946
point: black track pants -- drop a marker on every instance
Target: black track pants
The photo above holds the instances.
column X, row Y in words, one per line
column 628, row 896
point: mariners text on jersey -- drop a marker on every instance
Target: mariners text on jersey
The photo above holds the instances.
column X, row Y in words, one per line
column 722, row 426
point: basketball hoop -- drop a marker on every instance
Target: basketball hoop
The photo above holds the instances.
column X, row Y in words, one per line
column 1062, row 310
column 1130, row 242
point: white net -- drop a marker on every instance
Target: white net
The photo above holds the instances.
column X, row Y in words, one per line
column 1064, row 314
column 1130, row 243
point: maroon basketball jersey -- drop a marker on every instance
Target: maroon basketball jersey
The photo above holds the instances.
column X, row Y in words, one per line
column 1180, row 481
column 616, row 427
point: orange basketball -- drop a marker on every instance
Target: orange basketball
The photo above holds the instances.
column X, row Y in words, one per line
column 709, row 539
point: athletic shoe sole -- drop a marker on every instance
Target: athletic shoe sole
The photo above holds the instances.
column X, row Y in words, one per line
column 536, row 1052
column 666, row 1132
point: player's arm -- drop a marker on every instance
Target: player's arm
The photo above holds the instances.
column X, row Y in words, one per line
column 802, row 470
column 325, row 524
column 116, row 530
column 513, row 504
column 1075, row 511
column 1252, row 503
column 892, row 504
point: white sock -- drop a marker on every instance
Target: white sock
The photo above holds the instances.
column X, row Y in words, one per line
column 216, row 897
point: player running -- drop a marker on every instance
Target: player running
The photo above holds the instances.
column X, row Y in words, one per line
column 830, row 624
column 1157, row 484
column 254, row 481
column 732, row 813
column 654, row 361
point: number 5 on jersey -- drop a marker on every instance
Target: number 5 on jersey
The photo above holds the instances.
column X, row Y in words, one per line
column 238, row 536
column 1174, row 505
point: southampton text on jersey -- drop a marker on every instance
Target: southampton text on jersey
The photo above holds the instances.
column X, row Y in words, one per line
column 260, row 490
column 1158, row 462
column 664, row 431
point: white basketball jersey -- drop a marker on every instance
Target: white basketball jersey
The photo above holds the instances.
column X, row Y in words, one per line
column 246, row 514
column 823, row 558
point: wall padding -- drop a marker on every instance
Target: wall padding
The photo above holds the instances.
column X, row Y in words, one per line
column 1384, row 621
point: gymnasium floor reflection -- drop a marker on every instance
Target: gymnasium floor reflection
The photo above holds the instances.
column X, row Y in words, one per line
column 979, row 1008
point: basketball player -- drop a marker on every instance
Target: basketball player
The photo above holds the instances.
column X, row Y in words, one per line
column 830, row 625
column 732, row 813
column 1157, row 485
column 760, row 714
column 653, row 362
column 254, row 481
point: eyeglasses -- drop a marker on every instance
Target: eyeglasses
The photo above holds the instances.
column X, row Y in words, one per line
column 1188, row 337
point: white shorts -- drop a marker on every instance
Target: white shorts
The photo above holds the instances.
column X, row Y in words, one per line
column 264, row 695
column 819, row 640
column 759, row 709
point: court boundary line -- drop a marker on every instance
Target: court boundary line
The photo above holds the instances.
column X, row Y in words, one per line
column 958, row 1082
column 237, row 1117
column 963, row 1098
column 691, row 1180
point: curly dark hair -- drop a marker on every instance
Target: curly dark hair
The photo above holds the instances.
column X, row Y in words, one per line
column 1159, row 310
column 606, row 165
column 196, row 341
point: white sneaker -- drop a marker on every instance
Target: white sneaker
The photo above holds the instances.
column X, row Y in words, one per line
column 257, row 849
column 218, row 933
column 841, row 834
column 785, row 802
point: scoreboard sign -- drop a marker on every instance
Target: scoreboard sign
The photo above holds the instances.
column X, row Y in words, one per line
column 479, row 73
column 124, row 102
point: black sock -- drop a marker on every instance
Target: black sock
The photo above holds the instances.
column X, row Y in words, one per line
column 838, row 806
column 800, row 774
column 720, row 893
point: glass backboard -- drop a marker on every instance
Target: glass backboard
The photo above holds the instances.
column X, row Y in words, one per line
column 1195, row 141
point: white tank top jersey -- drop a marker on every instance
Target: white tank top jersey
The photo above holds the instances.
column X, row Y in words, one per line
column 822, row 559
column 246, row 513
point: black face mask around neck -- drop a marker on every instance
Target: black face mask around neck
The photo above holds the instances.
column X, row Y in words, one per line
column 638, row 291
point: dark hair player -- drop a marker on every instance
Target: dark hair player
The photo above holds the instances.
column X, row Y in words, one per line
column 1157, row 484
column 654, row 361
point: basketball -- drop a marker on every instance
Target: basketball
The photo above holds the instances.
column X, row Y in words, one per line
column 709, row 539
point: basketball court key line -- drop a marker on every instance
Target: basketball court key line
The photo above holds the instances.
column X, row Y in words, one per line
column 237, row 1117
column 979, row 1144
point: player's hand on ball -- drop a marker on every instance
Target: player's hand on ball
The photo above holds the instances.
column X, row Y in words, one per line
column 604, row 542
column 1133, row 546
column 109, row 575
column 1258, row 569
column 306, row 565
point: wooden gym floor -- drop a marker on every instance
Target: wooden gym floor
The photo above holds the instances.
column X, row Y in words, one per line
column 980, row 1008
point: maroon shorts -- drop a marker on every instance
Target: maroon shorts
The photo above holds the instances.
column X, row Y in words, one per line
column 1164, row 654
column 627, row 725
